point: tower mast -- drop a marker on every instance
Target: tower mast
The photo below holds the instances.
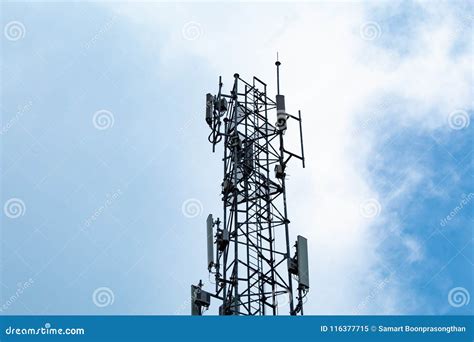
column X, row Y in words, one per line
column 249, row 255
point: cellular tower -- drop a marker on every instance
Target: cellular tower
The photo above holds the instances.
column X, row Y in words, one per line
column 255, row 268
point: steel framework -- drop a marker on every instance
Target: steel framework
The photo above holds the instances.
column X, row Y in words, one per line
column 252, row 263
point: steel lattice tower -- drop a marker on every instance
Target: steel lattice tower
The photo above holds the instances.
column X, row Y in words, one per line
column 251, row 262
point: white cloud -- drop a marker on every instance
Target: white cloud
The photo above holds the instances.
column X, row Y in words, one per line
column 332, row 75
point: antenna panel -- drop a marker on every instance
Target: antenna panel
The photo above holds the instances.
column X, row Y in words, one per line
column 302, row 252
column 210, row 241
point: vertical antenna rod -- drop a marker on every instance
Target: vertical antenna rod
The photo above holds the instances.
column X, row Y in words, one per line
column 277, row 63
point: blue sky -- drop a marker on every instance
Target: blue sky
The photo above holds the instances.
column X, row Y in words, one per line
column 386, row 94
